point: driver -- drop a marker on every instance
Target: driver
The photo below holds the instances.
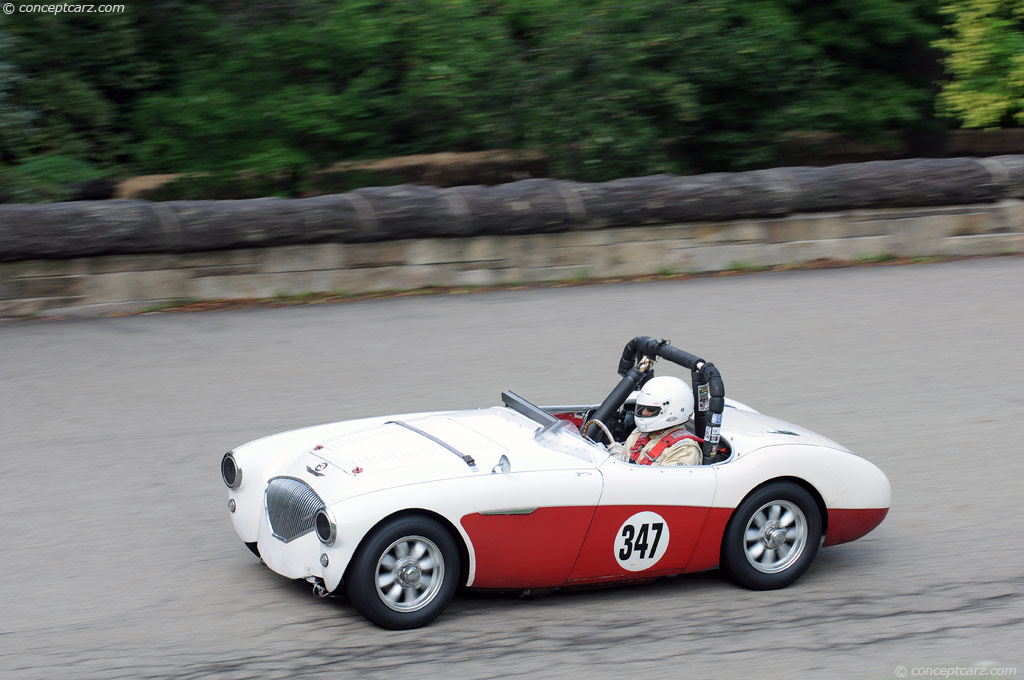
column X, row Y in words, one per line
column 661, row 438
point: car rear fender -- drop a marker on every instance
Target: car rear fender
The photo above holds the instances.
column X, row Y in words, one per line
column 842, row 479
column 854, row 494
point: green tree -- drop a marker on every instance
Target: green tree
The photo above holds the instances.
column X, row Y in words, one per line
column 335, row 81
column 986, row 63
column 81, row 73
column 605, row 88
column 14, row 119
column 717, row 85
column 597, row 86
column 871, row 66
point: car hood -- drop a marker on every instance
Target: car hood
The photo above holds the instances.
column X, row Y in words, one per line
column 439, row 442
column 355, row 457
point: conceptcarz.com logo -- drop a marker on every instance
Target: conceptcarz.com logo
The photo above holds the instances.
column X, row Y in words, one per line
column 62, row 8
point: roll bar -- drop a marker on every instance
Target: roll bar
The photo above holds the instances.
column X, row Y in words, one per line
column 636, row 368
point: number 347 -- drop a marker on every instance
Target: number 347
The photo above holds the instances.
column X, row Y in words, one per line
column 636, row 539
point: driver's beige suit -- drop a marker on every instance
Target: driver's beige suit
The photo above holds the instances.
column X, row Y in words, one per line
column 685, row 452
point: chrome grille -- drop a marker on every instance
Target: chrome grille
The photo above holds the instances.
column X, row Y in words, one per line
column 291, row 508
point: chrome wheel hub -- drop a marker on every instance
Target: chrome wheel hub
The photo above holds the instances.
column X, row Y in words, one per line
column 775, row 536
column 407, row 573
column 410, row 573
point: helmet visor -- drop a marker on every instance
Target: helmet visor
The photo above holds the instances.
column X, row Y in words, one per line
column 643, row 411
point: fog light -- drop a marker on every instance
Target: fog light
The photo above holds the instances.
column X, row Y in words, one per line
column 324, row 560
column 231, row 504
column 326, row 527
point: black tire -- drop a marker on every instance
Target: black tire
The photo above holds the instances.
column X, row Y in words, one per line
column 422, row 560
column 782, row 518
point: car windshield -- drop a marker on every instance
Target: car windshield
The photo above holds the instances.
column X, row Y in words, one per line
column 562, row 436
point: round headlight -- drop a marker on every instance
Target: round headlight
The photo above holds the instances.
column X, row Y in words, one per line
column 230, row 472
column 326, row 527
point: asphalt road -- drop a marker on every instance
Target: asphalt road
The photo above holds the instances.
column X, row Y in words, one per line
column 118, row 559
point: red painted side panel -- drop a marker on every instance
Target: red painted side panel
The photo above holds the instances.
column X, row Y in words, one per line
column 527, row 551
column 848, row 525
column 709, row 545
column 597, row 561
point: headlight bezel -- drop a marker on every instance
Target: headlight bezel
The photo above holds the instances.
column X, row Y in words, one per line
column 231, row 476
column 325, row 521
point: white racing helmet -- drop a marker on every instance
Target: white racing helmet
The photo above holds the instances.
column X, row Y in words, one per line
column 663, row 402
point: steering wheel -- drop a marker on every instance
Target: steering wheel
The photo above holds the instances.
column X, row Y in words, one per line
column 602, row 426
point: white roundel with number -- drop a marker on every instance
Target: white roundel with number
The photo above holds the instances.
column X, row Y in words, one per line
column 642, row 541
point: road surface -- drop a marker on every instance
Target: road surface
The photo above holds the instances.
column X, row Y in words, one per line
column 118, row 559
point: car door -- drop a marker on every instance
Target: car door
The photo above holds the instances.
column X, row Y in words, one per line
column 647, row 521
column 530, row 526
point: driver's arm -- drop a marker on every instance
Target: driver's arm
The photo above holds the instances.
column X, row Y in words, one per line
column 621, row 451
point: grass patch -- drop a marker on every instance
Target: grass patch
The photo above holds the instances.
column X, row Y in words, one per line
column 873, row 259
column 303, row 298
column 740, row 266
column 176, row 303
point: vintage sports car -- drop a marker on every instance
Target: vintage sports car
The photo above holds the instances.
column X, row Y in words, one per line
column 401, row 510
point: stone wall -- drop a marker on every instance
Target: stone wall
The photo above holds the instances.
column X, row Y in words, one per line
column 103, row 284
column 536, row 206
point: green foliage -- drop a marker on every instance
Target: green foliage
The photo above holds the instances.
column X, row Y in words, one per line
column 740, row 266
column 45, row 178
column 668, row 86
column 872, row 65
column 599, row 88
column 986, row 62
column 253, row 96
column 81, row 72
column 57, row 169
column 874, row 259
column 14, row 119
column 334, row 82
column 227, row 185
column 221, row 185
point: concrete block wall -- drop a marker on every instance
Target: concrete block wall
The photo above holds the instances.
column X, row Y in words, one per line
column 124, row 283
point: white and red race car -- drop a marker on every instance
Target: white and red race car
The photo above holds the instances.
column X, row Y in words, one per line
column 401, row 510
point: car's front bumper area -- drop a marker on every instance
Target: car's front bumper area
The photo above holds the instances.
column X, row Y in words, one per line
column 285, row 535
column 304, row 556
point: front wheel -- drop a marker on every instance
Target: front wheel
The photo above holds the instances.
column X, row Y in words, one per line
column 772, row 537
column 405, row 573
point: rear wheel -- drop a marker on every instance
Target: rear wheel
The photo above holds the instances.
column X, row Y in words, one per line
column 772, row 537
column 405, row 573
